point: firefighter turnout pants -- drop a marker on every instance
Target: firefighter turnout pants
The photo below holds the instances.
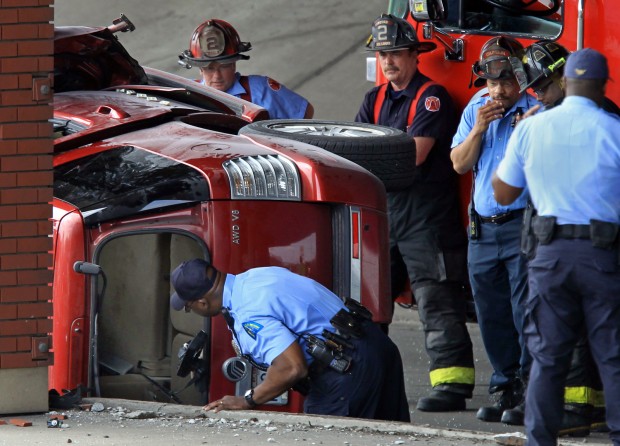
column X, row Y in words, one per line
column 428, row 242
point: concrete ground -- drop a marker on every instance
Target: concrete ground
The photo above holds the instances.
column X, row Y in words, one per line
column 160, row 424
column 123, row 422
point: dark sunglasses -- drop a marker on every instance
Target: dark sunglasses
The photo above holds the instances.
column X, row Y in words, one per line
column 540, row 90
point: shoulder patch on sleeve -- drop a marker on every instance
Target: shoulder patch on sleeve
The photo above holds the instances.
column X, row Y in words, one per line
column 273, row 84
column 432, row 103
column 252, row 328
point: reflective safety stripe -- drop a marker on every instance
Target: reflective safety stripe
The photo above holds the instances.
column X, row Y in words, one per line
column 599, row 398
column 379, row 100
column 584, row 395
column 453, row 375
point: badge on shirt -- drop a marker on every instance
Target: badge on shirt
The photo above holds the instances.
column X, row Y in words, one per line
column 432, row 103
column 252, row 328
column 273, row 84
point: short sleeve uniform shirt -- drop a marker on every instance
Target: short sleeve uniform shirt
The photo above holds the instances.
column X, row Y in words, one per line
column 281, row 102
column 272, row 307
column 492, row 150
column 569, row 158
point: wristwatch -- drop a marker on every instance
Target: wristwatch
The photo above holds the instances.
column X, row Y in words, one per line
column 249, row 397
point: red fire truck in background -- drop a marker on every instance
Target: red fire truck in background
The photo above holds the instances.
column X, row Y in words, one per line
column 461, row 27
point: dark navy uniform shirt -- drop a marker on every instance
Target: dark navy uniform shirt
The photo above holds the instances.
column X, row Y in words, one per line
column 435, row 117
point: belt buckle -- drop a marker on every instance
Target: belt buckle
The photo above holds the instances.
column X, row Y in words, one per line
column 499, row 218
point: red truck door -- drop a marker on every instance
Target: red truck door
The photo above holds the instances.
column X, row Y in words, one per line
column 70, row 304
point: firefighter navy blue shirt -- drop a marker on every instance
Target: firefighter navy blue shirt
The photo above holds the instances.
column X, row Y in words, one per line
column 435, row 117
column 427, row 240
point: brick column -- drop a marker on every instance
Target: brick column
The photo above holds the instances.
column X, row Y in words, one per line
column 26, row 179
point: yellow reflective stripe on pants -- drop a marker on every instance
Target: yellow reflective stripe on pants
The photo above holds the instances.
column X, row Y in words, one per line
column 453, row 375
column 583, row 395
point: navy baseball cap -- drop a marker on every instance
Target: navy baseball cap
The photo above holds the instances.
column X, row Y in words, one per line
column 190, row 282
column 586, row 64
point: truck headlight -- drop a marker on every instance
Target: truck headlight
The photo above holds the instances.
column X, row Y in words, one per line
column 263, row 177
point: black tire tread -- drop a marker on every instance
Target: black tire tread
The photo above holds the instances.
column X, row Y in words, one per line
column 389, row 157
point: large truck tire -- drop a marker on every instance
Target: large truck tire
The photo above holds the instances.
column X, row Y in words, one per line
column 386, row 152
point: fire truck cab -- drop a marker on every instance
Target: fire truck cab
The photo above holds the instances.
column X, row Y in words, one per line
column 461, row 27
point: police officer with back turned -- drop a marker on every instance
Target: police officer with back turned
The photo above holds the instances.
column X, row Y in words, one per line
column 584, row 406
column 569, row 158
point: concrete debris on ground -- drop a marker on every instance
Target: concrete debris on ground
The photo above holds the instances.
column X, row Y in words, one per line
column 140, row 423
column 512, row 439
column 162, row 424
column 96, row 407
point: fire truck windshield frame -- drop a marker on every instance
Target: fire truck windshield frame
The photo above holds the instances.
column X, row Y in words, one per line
column 475, row 17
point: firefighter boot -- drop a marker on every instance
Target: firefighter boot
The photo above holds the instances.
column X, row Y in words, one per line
column 442, row 312
column 576, row 420
column 441, row 401
column 507, row 399
column 514, row 416
column 598, row 422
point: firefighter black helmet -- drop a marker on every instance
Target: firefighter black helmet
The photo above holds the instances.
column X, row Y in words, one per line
column 390, row 33
column 499, row 58
column 214, row 41
column 543, row 59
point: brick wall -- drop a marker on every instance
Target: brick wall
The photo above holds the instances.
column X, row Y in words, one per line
column 26, row 64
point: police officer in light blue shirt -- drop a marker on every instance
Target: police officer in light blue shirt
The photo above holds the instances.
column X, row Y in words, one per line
column 569, row 158
column 492, row 150
column 497, row 271
column 577, row 143
column 215, row 47
column 276, row 309
column 275, row 317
